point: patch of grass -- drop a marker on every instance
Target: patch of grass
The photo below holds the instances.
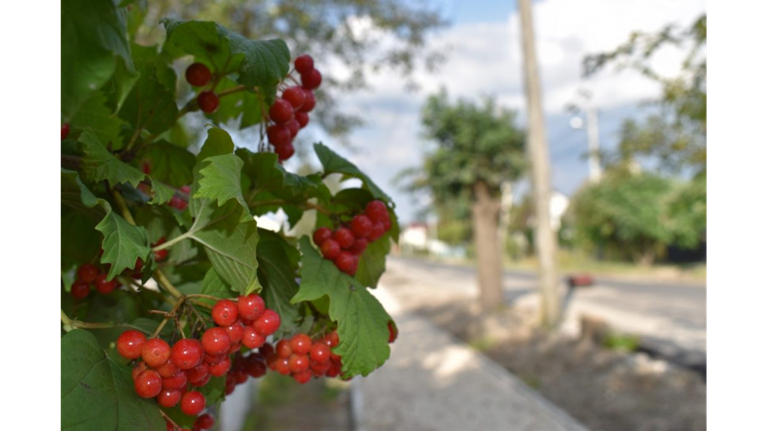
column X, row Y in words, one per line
column 621, row 342
column 482, row 344
column 531, row 380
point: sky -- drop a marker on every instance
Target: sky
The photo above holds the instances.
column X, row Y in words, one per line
column 482, row 45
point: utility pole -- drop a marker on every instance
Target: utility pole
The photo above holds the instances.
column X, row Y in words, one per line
column 546, row 242
column 593, row 134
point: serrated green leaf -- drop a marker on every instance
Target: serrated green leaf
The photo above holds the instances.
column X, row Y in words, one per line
column 220, row 181
column 278, row 261
column 98, row 164
column 217, row 143
column 123, row 244
column 150, row 105
column 232, row 253
column 334, row 163
column 98, row 394
column 214, row 285
column 362, row 321
column 95, row 115
column 169, row 163
column 163, row 193
column 372, row 263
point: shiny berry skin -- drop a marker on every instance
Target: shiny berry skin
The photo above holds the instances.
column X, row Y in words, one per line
column 252, row 339
column 320, row 353
column 377, row 232
column 236, row 346
column 300, row 344
column 304, row 64
column 198, row 373
column 129, row 344
column 208, row 101
column 80, row 290
column 376, row 211
column 198, row 74
column 319, row 369
column 298, row 363
column 141, row 366
column 216, row 341
column 359, row 246
column 250, row 307
column 87, row 273
column 220, row 368
column 281, row 111
column 148, row 384
column 362, row 226
column 309, row 102
column 187, row 353
column 311, row 80
column 214, row 359
column 268, row 323
column 255, row 367
column 169, row 397
column 224, row 313
column 345, row 261
column 293, row 127
column 177, row 381
column 282, row 366
column 284, row 152
column 64, row 131
column 333, row 337
column 295, row 96
column 266, row 350
column 155, row 352
column 204, row 422
column 167, row 369
column 302, row 118
column 321, row 234
column 192, row 403
column 283, row 349
column 303, row 377
column 330, row 249
column 235, row 332
column 103, row 286
column 278, row 134
column 392, row 331
column 344, row 237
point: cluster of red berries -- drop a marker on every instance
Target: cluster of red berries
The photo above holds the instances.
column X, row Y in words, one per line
column 202, row 422
column 199, row 75
column 301, row 358
column 88, row 274
column 290, row 112
column 253, row 365
column 345, row 245
column 165, row 372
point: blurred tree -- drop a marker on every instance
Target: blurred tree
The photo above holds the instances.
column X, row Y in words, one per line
column 348, row 38
column 478, row 147
column 677, row 134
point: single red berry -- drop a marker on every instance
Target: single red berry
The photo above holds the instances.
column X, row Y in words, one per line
column 178, row 203
column 295, row 96
column 298, row 363
column 235, row 332
column 148, row 384
column 250, row 307
column 330, row 249
column 202, row 382
column 281, row 111
column 192, row 403
column 87, row 273
column 283, row 349
column 64, row 131
column 334, row 338
column 319, row 369
column 303, row 377
column 236, row 346
column 169, row 397
column 252, row 339
column 216, row 341
column 160, row 254
column 168, row 369
column 284, row 152
column 176, row 381
column 392, row 331
column 204, row 422
column 320, row 353
column 309, row 101
column 344, row 237
column 213, row 359
column 282, row 366
column 358, row 247
column 345, row 261
column 103, row 286
column 230, row 386
column 302, row 118
column 321, row 235
column 278, row 134
column 80, row 290
column 311, row 80
column 184, row 189
column 198, row 74
column 362, row 226
column 155, row 352
column 224, row 312
column 208, row 101
column 333, row 371
column 197, row 373
column 255, row 366
column 377, row 232
column 304, row 64
column 220, row 368
column 241, row 376
column 293, row 127
column 129, row 344
column 141, row 366
column 355, row 261
column 300, row 344
column 376, row 211
column 387, row 224
column 268, row 323
column 187, row 353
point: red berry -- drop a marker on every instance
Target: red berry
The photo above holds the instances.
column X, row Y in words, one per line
column 319, row 369
column 64, row 131
column 224, row 313
column 187, row 353
column 302, row 118
column 129, row 344
column 333, row 337
column 285, row 151
column 208, row 101
column 192, row 403
column 282, row 366
column 87, row 273
column 362, row 226
column 358, row 247
column 312, row 79
column 300, row 344
column 266, row 350
column 345, row 261
column 304, row 64
column 252, row 339
column 155, row 352
column 284, row 349
column 392, row 331
column 185, row 189
column 80, row 290
column 220, row 368
column 169, row 397
column 387, row 224
column 103, row 286
column 204, row 422
column 178, row 203
column 236, row 346
column 278, row 134
column 255, row 367
column 303, row 377
column 295, row 96
column 160, row 254
column 168, row 369
column 298, row 363
column 330, row 249
column 333, row 371
column 281, row 111
column 250, row 307
column 376, row 211
column 141, row 366
column 216, row 341
column 148, row 384
column 235, row 332
column 320, row 353
column 293, row 127
column 309, row 102
column 377, row 232
column 198, row 74
column 214, row 359
column 268, row 323
column 241, row 376
column 197, row 373
column 177, row 381
column 321, row 235
column 344, row 237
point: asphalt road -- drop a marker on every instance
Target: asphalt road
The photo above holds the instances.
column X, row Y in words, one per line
column 670, row 317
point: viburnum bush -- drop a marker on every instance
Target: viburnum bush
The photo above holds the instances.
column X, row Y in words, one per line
column 171, row 295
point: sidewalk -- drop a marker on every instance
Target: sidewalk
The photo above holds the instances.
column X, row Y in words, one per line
column 434, row 382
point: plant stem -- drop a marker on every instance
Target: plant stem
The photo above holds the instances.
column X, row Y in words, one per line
column 202, row 295
column 173, row 241
column 232, row 90
column 123, row 207
column 66, row 321
column 166, row 284
column 168, row 316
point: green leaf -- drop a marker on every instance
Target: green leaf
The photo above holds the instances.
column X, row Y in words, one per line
column 169, row 163
column 96, row 36
column 372, row 263
column 214, row 285
column 98, row 164
column 232, row 253
column 218, row 142
column 163, row 193
column 150, row 105
column 245, row 105
column 220, row 181
column 278, row 261
column 334, row 163
column 267, row 175
column 95, row 115
column 97, row 394
column 123, row 244
column 362, row 321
